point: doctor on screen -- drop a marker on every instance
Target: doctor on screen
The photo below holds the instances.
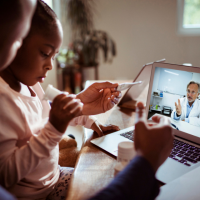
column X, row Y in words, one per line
column 188, row 108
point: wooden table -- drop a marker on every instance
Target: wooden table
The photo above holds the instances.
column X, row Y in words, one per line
column 95, row 167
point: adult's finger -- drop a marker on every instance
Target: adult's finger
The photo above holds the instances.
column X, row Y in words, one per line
column 116, row 93
column 140, row 132
column 160, row 119
column 161, row 122
column 103, row 85
column 140, row 105
column 176, row 105
column 152, row 124
column 115, row 99
column 109, row 104
column 179, row 102
column 156, row 118
column 140, row 113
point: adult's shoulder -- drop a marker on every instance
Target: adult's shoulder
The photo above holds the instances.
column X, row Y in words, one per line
column 198, row 102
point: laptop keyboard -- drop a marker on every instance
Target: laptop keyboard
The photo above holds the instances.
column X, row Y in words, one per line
column 128, row 135
column 182, row 152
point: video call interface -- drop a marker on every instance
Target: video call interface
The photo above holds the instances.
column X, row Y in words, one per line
column 175, row 94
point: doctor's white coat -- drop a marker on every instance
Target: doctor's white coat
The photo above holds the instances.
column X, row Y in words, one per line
column 194, row 116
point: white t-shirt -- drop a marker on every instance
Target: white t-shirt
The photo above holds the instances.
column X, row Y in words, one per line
column 29, row 143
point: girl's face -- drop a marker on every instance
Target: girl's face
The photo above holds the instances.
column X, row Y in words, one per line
column 35, row 58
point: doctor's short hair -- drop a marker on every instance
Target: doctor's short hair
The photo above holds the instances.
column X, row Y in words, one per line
column 194, row 82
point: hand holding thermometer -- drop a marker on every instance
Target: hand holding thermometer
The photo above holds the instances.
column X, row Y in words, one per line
column 124, row 86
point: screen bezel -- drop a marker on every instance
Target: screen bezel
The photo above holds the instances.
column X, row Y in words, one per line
column 178, row 133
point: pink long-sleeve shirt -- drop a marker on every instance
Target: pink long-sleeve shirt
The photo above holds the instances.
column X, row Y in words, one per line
column 29, row 143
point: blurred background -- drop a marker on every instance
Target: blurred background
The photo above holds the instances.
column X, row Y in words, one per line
column 113, row 39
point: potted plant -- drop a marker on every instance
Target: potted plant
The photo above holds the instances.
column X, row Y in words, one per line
column 84, row 49
column 86, row 41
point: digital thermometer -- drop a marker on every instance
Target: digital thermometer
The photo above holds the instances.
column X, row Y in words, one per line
column 124, row 86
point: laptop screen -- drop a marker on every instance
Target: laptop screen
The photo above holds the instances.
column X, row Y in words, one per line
column 174, row 93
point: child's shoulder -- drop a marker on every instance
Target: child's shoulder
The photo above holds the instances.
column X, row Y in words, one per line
column 7, row 95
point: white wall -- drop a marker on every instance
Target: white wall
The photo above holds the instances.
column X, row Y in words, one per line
column 144, row 31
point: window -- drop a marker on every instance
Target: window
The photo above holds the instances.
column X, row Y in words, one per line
column 188, row 17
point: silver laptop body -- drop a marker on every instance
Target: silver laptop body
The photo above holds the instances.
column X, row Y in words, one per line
column 173, row 167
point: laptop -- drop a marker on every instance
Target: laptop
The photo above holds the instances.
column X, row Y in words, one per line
column 170, row 80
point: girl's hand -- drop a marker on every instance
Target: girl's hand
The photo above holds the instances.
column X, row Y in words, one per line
column 63, row 109
column 100, row 129
column 99, row 97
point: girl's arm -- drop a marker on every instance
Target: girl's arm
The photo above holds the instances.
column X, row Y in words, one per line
column 19, row 158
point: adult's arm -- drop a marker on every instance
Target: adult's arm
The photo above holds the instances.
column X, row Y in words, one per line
column 153, row 143
column 136, row 181
column 174, row 115
column 4, row 195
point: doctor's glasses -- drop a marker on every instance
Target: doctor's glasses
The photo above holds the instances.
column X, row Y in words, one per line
column 191, row 92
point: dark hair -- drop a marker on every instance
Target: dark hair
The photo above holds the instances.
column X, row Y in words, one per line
column 44, row 18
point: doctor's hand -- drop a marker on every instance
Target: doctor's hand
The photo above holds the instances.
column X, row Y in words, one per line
column 178, row 107
column 153, row 142
column 99, row 97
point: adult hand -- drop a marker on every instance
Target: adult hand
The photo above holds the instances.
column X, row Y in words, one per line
column 100, row 128
column 99, row 97
column 178, row 107
column 153, row 142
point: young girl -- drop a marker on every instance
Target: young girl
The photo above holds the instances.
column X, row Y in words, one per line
column 28, row 138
